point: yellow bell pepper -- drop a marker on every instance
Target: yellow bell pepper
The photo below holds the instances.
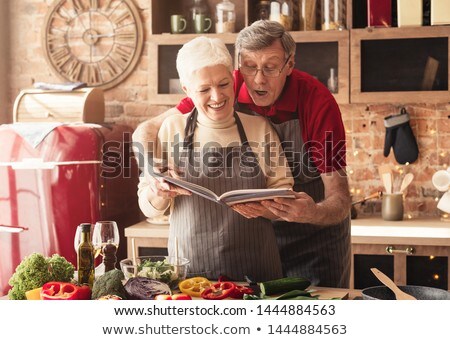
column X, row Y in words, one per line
column 34, row 294
column 194, row 286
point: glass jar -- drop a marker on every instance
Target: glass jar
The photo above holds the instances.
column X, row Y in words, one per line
column 333, row 15
column 287, row 14
column 307, row 12
column 198, row 7
column 263, row 10
column 281, row 11
column 225, row 17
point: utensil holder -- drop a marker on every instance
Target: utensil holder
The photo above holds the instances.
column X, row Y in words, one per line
column 392, row 207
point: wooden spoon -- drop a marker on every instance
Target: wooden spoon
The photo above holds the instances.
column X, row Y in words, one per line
column 406, row 181
column 399, row 294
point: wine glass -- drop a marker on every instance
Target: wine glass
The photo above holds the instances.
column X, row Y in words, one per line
column 105, row 239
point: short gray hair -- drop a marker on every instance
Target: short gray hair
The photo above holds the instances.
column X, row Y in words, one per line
column 199, row 53
column 263, row 33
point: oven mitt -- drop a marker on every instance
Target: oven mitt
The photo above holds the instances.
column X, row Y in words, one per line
column 400, row 137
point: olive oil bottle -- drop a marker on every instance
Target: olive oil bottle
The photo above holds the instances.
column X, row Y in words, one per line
column 86, row 257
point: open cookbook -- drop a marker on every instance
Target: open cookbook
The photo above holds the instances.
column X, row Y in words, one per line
column 229, row 197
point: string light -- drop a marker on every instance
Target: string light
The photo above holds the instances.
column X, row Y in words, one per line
column 431, row 257
column 436, row 276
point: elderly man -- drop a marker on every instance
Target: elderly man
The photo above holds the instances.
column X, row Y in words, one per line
column 313, row 230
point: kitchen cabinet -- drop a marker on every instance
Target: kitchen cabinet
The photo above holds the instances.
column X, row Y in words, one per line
column 382, row 65
column 399, row 64
column 317, row 51
column 412, row 252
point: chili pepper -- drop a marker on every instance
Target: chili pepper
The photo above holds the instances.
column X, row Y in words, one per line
column 64, row 291
column 219, row 291
column 239, row 291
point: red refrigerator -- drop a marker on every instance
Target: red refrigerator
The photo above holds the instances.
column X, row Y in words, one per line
column 54, row 177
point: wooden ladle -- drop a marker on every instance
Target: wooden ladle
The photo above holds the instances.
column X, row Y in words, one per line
column 399, row 294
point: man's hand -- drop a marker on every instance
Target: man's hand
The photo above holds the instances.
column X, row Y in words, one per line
column 332, row 210
column 301, row 209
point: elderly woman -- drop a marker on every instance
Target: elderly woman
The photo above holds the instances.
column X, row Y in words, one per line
column 222, row 150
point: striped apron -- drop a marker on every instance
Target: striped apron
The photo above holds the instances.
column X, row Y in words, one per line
column 321, row 254
column 217, row 240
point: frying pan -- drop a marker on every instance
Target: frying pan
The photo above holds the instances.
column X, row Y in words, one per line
column 419, row 292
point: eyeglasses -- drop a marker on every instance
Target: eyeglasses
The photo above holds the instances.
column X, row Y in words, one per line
column 266, row 71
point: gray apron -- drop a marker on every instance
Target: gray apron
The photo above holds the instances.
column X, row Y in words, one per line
column 321, row 254
column 217, row 240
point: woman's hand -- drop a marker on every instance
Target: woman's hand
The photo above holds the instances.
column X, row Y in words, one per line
column 253, row 210
column 165, row 190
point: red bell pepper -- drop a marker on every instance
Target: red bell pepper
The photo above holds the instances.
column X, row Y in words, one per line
column 239, row 291
column 64, row 291
column 219, row 291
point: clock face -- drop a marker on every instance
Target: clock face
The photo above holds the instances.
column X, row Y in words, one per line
column 94, row 41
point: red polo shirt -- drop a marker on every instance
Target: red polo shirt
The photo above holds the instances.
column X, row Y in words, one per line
column 318, row 113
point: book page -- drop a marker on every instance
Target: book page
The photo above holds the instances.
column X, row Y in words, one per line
column 251, row 195
column 196, row 189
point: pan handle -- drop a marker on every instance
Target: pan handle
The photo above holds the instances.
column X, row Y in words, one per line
column 407, row 250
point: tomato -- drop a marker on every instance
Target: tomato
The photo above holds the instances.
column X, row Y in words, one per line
column 219, row 291
column 163, row 297
column 181, row 297
column 194, row 286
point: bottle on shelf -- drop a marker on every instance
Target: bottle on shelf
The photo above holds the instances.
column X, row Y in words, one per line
column 333, row 15
column 198, row 7
column 225, row 17
column 86, row 256
column 263, row 10
column 332, row 82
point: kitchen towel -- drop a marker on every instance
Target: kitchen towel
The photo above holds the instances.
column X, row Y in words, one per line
column 400, row 137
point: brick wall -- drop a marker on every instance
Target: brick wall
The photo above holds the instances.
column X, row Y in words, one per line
column 128, row 103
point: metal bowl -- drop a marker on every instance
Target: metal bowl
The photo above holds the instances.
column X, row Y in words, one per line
column 419, row 292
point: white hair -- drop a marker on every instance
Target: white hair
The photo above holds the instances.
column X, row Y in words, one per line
column 199, row 53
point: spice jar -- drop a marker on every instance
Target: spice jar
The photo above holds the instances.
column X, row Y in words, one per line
column 225, row 17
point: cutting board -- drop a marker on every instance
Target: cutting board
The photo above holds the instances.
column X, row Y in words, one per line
column 329, row 293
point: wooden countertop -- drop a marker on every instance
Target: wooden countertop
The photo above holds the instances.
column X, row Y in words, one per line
column 417, row 231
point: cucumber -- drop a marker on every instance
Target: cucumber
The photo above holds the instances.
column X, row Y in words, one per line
column 284, row 285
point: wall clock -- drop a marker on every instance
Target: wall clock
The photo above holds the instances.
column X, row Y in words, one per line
column 97, row 42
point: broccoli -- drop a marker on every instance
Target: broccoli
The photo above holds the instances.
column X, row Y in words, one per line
column 109, row 283
column 35, row 270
